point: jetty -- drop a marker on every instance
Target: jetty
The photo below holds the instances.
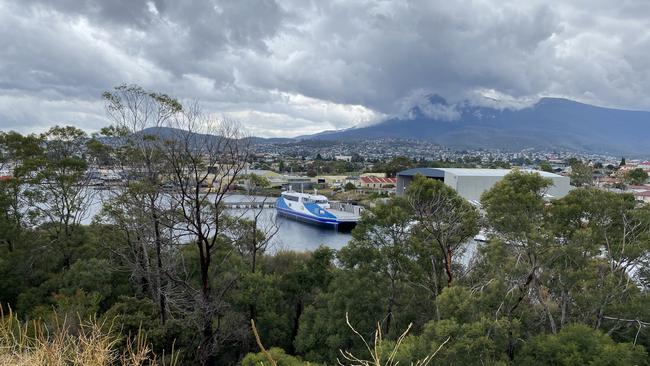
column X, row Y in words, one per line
column 249, row 204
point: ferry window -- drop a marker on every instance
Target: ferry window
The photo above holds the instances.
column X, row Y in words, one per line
column 291, row 198
column 321, row 201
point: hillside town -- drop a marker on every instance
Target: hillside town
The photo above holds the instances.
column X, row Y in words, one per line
column 371, row 167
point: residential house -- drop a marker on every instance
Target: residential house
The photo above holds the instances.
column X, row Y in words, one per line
column 379, row 183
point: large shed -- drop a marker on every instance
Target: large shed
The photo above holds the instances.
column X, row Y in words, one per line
column 471, row 183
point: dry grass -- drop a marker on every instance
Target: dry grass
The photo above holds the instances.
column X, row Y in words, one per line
column 378, row 355
column 34, row 344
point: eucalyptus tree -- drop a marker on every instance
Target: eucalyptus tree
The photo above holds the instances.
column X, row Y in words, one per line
column 60, row 193
column 380, row 246
column 253, row 235
column 581, row 174
column 636, row 176
column 447, row 219
column 602, row 247
column 515, row 210
column 206, row 157
column 21, row 156
column 138, row 116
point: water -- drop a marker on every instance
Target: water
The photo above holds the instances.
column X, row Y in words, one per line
column 290, row 235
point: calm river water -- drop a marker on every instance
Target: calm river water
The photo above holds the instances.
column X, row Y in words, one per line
column 291, row 235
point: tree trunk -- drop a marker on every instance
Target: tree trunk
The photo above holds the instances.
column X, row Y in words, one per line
column 253, row 306
column 511, row 340
column 207, row 345
column 296, row 325
column 159, row 285
column 391, row 304
column 434, row 279
column 450, row 275
column 563, row 308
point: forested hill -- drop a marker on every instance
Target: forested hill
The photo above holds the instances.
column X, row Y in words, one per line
column 550, row 123
column 565, row 282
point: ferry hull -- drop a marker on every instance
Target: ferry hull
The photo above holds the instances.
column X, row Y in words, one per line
column 330, row 222
column 340, row 226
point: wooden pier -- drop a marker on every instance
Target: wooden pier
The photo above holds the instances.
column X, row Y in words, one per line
column 250, row 204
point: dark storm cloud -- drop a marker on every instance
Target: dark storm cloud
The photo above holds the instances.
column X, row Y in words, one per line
column 298, row 66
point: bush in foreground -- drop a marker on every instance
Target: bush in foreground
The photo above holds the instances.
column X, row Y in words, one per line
column 35, row 344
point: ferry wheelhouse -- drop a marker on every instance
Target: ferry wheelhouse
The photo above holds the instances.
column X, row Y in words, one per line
column 316, row 209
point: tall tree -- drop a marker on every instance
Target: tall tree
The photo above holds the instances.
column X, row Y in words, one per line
column 135, row 111
column 581, row 174
column 601, row 239
column 514, row 209
column 61, row 195
column 206, row 158
column 636, row 176
column 380, row 245
column 22, row 156
column 448, row 219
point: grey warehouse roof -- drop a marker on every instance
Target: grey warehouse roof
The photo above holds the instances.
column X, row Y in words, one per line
column 440, row 172
column 427, row 172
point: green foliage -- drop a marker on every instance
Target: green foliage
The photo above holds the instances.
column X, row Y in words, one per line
column 349, row 186
column 636, row 176
column 323, row 330
column 447, row 218
column 475, row 343
column 545, row 166
column 395, row 165
column 561, row 281
column 579, row 344
column 515, row 204
column 581, row 174
column 278, row 355
column 258, row 181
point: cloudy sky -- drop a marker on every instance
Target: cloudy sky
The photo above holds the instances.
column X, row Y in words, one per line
column 291, row 67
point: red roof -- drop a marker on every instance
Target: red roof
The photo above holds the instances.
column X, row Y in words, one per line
column 643, row 186
column 642, row 194
column 379, row 180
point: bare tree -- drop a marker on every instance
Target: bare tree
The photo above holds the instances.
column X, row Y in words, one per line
column 253, row 234
column 134, row 111
column 206, row 157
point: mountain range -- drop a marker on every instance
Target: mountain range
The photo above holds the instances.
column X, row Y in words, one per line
column 551, row 123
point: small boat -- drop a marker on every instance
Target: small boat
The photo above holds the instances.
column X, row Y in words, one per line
column 482, row 236
column 316, row 209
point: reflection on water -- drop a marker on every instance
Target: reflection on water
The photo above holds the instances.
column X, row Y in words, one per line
column 296, row 235
column 291, row 235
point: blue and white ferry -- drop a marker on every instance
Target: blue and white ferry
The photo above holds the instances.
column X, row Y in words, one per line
column 316, row 209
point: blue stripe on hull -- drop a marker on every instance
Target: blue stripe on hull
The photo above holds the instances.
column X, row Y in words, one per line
column 307, row 218
column 293, row 216
column 328, row 220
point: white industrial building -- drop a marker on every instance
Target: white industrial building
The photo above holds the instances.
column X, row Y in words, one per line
column 471, row 183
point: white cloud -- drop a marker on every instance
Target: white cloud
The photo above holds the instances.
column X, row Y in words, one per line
column 293, row 65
